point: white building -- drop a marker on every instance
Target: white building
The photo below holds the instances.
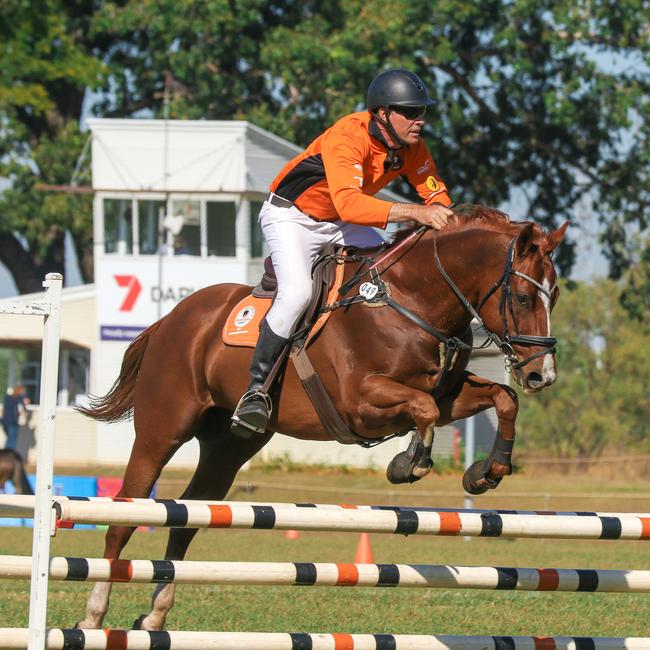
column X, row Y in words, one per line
column 175, row 209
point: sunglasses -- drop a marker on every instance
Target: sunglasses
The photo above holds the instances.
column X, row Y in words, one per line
column 410, row 112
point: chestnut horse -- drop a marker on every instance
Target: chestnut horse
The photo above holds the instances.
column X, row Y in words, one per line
column 380, row 366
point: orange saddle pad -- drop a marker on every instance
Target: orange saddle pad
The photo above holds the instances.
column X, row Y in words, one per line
column 242, row 328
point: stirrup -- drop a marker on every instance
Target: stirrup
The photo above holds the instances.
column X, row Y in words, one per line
column 252, row 394
column 249, row 396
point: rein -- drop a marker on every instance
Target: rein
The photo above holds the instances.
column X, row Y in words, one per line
column 453, row 344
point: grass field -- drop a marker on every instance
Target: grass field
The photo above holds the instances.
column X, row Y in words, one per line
column 369, row 610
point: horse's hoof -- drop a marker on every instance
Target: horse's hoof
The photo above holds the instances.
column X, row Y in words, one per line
column 399, row 469
column 474, row 480
column 472, row 488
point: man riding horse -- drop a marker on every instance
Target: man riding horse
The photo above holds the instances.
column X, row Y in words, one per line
column 324, row 196
column 396, row 364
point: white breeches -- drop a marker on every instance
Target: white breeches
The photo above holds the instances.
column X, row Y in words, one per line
column 295, row 241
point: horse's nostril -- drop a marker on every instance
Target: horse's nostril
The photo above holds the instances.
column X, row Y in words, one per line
column 534, row 379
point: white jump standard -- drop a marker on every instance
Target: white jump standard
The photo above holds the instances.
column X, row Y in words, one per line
column 50, row 310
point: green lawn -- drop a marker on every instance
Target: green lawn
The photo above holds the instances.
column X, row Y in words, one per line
column 366, row 610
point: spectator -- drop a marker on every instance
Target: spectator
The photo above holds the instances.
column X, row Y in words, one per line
column 13, row 414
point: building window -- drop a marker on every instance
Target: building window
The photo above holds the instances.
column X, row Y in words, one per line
column 188, row 240
column 23, row 368
column 221, row 218
column 257, row 239
column 74, row 378
column 30, row 377
column 118, row 227
column 150, row 216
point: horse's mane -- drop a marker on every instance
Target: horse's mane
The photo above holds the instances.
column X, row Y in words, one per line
column 470, row 215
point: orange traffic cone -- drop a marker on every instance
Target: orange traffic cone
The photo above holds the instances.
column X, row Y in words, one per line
column 364, row 552
column 291, row 534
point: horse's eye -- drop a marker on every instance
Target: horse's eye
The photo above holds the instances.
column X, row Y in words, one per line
column 522, row 298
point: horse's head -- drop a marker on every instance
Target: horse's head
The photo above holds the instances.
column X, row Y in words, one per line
column 520, row 313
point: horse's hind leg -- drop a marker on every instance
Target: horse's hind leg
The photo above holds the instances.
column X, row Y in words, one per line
column 142, row 471
column 221, row 456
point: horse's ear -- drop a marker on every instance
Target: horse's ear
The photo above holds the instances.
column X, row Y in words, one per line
column 553, row 240
column 525, row 244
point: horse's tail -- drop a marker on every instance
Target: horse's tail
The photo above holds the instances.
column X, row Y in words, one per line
column 117, row 404
column 19, row 477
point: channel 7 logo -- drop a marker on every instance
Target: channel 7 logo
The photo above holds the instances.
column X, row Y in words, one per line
column 133, row 286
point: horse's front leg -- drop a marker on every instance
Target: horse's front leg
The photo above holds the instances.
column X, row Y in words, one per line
column 476, row 395
column 382, row 399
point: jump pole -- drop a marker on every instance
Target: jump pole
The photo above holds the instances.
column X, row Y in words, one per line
column 72, row 639
column 325, row 574
column 22, row 505
column 120, row 512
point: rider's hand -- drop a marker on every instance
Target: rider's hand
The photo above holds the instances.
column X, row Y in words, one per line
column 435, row 216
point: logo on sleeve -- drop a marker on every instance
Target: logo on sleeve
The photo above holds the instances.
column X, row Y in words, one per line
column 432, row 184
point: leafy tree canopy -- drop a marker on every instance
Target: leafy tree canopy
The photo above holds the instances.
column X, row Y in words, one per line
column 549, row 100
column 600, row 399
column 635, row 297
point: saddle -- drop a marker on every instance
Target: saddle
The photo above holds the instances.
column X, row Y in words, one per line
column 243, row 323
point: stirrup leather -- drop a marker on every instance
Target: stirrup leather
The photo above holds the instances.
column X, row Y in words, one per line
column 248, row 396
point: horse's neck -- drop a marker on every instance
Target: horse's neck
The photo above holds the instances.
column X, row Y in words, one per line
column 418, row 277
column 482, row 260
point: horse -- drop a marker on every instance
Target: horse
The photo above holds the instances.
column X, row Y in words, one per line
column 386, row 369
column 12, row 469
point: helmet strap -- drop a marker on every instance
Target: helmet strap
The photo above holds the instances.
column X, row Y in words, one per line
column 389, row 127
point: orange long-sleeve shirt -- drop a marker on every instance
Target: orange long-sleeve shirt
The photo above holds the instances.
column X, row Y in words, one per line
column 340, row 171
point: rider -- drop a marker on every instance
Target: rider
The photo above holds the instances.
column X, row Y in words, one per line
column 325, row 196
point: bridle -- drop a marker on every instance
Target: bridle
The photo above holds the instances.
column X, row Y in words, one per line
column 453, row 343
column 505, row 344
column 377, row 293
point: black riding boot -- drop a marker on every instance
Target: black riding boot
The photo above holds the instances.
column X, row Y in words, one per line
column 254, row 409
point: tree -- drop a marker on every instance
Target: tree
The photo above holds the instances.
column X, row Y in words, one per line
column 205, row 54
column 600, row 399
column 46, row 68
column 635, row 297
column 529, row 96
column 531, row 100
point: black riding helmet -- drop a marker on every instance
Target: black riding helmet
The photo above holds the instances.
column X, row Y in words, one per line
column 391, row 89
column 397, row 88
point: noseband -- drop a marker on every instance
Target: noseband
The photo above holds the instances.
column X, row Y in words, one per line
column 505, row 344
